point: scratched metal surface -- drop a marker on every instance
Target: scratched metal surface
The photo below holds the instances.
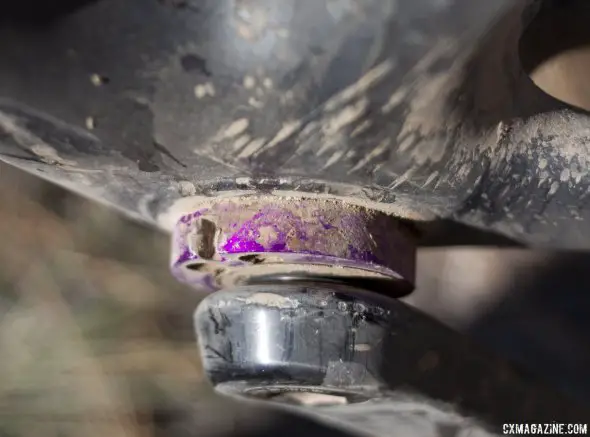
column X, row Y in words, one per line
column 422, row 106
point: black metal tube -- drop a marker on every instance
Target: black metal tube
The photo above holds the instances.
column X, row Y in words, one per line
column 361, row 360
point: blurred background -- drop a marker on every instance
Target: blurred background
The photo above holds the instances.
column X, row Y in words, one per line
column 96, row 338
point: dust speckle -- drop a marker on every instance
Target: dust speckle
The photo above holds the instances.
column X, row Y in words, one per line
column 200, row 92
column 186, row 188
column 249, row 82
column 272, row 300
column 98, row 80
column 204, row 90
column 90, row 123
column 268, row 84
column 362, row 347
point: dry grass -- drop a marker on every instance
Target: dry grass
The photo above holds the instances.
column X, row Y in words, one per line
column 90, row 344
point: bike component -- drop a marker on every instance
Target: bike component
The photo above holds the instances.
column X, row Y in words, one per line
column 226, row 241
column 362, row 361
column 417, row 109
column 422, row 106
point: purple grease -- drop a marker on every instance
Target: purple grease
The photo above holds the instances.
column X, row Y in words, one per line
column 236, row 245
column 363, row 255
column 278, row 247
column 325, row 225
column 185, row 256
column 247, row 238
column 274, row 229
